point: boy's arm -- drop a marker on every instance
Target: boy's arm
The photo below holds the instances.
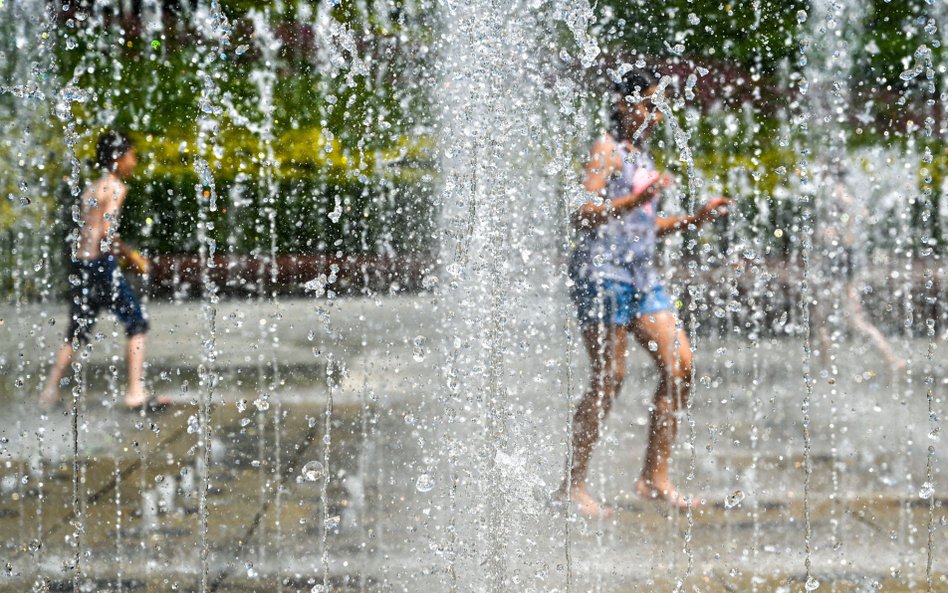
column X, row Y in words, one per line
column 135, row 258
column 119, row 247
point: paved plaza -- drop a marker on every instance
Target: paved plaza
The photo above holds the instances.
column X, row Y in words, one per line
column 278, row 519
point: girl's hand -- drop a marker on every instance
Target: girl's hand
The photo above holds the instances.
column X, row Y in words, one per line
column 715, row 208
column 663, row 181
column 644, row 180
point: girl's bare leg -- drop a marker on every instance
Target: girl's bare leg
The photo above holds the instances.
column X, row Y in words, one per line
column 863, row 325
column 606, row 347
column 669, row 348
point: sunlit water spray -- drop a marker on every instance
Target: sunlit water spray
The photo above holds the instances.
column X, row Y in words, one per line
column 215, row 30
column 503, row 114
column 509, row 98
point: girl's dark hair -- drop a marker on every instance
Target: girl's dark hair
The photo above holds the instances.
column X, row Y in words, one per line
column 634, row 82
column 110, row 147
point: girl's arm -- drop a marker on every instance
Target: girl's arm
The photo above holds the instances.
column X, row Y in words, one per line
column 713, row 209
column 599, row 167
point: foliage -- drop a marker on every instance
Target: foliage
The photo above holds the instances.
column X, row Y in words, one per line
column 364, row 137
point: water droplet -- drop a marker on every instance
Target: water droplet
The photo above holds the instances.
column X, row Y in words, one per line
column 734, row 499
column 418, row 354
column 193, row 425
column 926, row 491
column 155, row 44
column 312, row 471
column 429, row 282
column 424, row 483
column 653, row 346
column 910, row 74
column 812, row 584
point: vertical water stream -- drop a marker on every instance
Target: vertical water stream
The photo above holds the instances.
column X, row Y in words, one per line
column 215, row 32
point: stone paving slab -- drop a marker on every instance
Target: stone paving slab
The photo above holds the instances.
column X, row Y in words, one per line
column 880, row 535
column 868, row 459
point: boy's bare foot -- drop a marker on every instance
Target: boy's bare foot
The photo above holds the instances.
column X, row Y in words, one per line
column 664, row 492
column 587, row 506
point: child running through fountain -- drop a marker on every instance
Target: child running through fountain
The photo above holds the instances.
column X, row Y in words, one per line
column 838, row 242
column 617, row 291
column 101, row 284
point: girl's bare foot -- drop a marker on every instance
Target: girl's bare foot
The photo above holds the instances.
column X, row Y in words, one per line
column 898, row 364
column 587, row 506
column 148, row 403
column 664, row 492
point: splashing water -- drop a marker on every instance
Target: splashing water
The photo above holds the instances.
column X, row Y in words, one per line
column 358, row 217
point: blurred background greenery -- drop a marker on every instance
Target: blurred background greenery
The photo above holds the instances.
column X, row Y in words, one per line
column 345, row 162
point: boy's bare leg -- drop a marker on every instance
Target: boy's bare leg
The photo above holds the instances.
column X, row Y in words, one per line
column 135, row 394
column 606, row 346
column 50, row 394
column 673, row 359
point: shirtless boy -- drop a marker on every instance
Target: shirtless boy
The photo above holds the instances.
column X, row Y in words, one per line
column 100, row 282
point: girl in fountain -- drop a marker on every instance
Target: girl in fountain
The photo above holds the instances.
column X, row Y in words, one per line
column 617, row 291
column 838, row 242
column 100, row 282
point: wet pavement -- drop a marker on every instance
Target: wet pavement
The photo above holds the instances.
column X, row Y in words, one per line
column 277, row 519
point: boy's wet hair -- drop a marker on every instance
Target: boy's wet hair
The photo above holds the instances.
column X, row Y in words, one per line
column 110, row 147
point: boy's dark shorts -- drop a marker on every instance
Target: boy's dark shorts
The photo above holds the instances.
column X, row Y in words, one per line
column 102, row 286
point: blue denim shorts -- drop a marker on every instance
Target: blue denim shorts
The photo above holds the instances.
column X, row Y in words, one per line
column 610, row 302
column 102, row 286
